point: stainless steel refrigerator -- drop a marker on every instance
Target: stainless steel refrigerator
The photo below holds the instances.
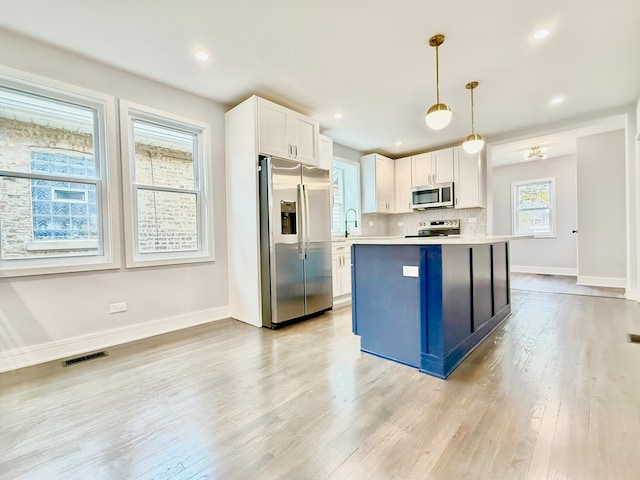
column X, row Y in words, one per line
column 295, row 240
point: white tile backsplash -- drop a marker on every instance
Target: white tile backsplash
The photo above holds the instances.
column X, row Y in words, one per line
column 401, row 224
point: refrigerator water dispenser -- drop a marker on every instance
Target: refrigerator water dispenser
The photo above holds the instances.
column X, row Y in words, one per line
column 288, row 218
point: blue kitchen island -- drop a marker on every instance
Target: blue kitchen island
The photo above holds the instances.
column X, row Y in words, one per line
column 428, row 302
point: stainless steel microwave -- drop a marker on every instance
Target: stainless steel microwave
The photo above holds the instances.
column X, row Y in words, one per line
column 432, row 196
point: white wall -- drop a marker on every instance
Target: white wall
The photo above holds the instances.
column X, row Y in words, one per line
column 346, row 152
column 602, row 253
column 40, row 315
column 540, row 255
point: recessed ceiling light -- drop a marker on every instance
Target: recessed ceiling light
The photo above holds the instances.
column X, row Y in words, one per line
column 201, row 55
column 337, row 115
column 557, row 100
column 541, row 33
column 398, row 143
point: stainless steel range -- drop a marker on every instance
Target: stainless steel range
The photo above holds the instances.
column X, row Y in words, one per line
column 438, row 228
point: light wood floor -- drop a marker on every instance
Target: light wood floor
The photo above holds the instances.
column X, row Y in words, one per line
column 553, row 393
column 560, row 284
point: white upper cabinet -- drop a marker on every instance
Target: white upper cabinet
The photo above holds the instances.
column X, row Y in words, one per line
column 432, row 167
column 378, row 184
column 403, row 185
column 287, row 134
column 326, row 153
column 469, row 181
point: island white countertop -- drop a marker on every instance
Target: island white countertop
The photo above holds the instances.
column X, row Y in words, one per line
column 450, row 240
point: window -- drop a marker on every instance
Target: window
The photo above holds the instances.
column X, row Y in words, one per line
column 346, row 195
column 534, row 207
column 166, row 193
column 54, row 192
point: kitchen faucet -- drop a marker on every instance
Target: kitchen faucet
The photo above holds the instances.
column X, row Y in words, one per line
column 347, row 221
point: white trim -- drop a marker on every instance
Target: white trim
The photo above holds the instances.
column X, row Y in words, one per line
column 614, row 282
column 342, row 300
column 569, row 272
column 202, row 170
column 632, row 294
column 45, row 352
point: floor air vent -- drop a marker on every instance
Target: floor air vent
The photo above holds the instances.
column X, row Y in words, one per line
column 84, row 358
column 634, row 338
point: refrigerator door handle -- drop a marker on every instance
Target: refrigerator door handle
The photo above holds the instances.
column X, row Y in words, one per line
column 305, row 189
column 301, row 222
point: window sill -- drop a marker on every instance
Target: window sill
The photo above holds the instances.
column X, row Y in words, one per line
column 59, row 245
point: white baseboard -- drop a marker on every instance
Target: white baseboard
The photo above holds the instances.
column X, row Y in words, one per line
column 343, row 300
column 632, row 294
column 602, row 281
column 570, row 272
column 45, row 352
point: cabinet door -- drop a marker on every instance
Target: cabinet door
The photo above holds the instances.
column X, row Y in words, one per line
column 336, row 274
column 421, row 169
column 376, row 174
column 272, row 130
column 304, row 138
column 403, row 185
column 442, row 166
column 325, row 156
column 388, row 184
column 345, row 274
column 469, row 180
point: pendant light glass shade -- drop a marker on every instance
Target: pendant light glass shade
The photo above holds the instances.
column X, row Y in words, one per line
column 474, row 142
column 439, row 115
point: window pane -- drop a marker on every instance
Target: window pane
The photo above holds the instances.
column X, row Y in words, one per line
column 32, row 224
column 163, row 156
column 534, row 222
column 534, row 196
column 30, row 123
column 167, row 221
column 345, row 196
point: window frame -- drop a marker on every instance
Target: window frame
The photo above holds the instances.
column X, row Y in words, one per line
column 357, row 231
column 129, row 113
column 552, row 206
column 105, row 146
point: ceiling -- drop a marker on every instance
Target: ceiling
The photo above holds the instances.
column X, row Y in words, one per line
column 368, row 60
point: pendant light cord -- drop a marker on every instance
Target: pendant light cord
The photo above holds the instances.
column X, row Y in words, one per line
column 473, row 127
column 437, row 79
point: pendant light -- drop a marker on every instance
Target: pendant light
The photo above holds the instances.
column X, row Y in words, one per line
column 474, row 142
column 439, row 115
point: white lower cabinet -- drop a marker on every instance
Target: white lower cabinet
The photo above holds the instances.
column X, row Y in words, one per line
column 341, row 266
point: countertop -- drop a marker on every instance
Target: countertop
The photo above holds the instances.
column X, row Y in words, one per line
column 451, row 240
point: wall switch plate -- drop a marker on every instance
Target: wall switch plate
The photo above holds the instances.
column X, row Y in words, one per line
column 118, row 307
column 472, row 220
column 401, row 224
column 371, row 224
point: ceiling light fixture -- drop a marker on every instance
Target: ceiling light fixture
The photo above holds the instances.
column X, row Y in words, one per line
column 439, row 115
column 536, row 152
column 541, row 33
column 398, row 143
column 557, row 100
column 338, row 116
column 201, row 55
column 474, row 142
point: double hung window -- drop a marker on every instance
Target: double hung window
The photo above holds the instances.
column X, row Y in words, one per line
column 534, row 207
column 167, row 212
column 54, row 179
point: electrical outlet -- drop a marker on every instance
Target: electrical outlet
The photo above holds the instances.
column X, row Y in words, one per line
column 118, row 307
column 371, row 224
column 401, row 224
column 472, row 220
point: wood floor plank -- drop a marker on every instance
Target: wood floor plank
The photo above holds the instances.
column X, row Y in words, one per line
column 552, row 393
